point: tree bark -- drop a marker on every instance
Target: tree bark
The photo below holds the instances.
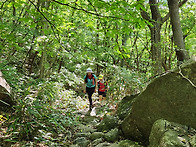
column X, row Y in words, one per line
column 155, row 36
column 156, row 21
column 44, row 4
column 177, row 30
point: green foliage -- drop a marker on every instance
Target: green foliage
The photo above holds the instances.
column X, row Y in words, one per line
column 119, row 78
column 39, row 112
column 111, row 37
column 10, row 73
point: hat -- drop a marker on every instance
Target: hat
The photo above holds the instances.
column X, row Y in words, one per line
column 100, row 76
column 89, row 70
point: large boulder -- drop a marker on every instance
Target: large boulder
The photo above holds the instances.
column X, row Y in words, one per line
column 5, row 99
column 171, row 96
column 170, row 134
column 125, row 106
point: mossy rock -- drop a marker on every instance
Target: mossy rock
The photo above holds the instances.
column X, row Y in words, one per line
column 85, row 128
column 108, row 123
column 125, row 106
column 97, row 141
column 83, row 135
column 81, row 141
column 104, row 144
column 112, row 135
column 170, row 96
column 96, row 135
column 128, row 143
column 170, row 134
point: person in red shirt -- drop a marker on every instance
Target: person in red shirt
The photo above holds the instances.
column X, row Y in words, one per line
column 102, row 89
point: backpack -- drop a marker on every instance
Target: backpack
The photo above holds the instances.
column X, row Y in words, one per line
column 105, row 84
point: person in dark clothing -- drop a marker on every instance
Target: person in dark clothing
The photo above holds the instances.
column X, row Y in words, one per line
column 90, row 85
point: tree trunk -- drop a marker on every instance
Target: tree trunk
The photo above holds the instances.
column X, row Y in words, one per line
column 31, row 62
column 155, row 48
column 44, row 5
column 60, row 65
column 155, row 36
column 97, row 47
column 177, row 30
column 157, row 21
column 42, row 64
column 155, row 30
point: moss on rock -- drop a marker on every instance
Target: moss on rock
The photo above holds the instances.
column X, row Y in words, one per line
column 171, row 96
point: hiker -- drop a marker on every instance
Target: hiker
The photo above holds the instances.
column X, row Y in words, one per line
column 90, row 85
column 102, row 89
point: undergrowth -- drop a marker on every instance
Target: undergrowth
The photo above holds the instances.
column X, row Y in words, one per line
column 44, row 110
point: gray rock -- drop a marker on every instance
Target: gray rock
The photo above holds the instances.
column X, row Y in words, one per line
column 125, row 106
column 5, row 95
column 170, row 134
column 104, row 144
column 96, row 135
column 128, row 143
column 108, row 123
column 97, row 141
column 170, row 96
column 85, row 128
column 83, row 135
column 112, row 135
column 81, row 141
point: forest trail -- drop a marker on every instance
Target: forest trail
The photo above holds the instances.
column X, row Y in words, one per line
column 86, row 133
column 98, row 127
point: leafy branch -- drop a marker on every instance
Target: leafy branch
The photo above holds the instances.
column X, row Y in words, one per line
column 53, row 27
column 51, row 24
column 89, row 12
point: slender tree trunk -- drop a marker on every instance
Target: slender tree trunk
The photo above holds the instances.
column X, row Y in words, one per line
column 156, row 37
column 60, row 65
column 155, row 30
column 32, row 62
column 125, row 37
column 177, row 30
column 45, row 5
column 97, row 46
column 155, row 47
column 41, row 67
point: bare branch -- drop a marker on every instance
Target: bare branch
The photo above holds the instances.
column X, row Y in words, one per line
column 182, row 3
column 145, row 15
column 164, row 19
column 53, row 27
column 51, row 24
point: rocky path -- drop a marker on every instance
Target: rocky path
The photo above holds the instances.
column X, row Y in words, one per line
column 99, row 128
